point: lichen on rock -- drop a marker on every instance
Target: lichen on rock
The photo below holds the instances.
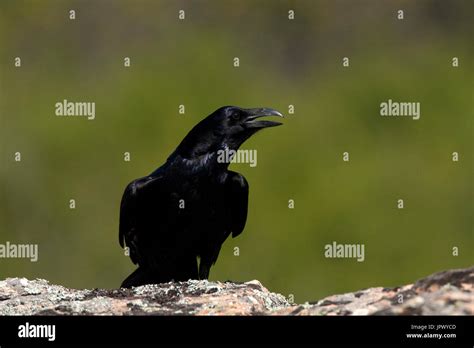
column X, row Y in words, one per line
column 444, row 293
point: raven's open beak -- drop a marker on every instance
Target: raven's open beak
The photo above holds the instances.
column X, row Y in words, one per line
column 253, row 114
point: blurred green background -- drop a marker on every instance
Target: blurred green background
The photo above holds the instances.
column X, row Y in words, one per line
column 282, row 62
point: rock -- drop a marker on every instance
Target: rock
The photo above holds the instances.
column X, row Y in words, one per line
column 445, row 293
column 38, row 297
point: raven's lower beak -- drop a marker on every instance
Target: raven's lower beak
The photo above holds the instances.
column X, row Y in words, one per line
column 253, row 114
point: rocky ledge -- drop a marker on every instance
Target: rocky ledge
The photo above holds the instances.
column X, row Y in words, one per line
column 445, row 293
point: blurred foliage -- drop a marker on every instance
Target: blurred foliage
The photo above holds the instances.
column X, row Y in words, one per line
column 282, row 62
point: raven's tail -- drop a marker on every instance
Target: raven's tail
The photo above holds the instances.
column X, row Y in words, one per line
column 183, row 269
column 139, row 277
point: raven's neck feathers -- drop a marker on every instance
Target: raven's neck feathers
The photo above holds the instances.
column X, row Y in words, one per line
column 200, row 146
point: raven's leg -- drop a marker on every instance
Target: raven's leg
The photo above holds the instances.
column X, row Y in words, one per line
column 192, row 269
column 208, row 258
column 204, row 268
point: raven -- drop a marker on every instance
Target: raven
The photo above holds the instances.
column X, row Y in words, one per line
column 185, row 209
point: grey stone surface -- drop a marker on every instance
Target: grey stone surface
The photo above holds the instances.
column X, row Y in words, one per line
column 449, row 292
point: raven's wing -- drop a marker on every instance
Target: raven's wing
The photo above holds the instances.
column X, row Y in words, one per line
column 237, row 191
column 130, row 211
column 150, row 221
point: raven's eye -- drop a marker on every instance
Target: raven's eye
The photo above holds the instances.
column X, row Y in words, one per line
column 235, row 116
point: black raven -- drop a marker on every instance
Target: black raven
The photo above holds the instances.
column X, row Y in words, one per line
column 187, row 208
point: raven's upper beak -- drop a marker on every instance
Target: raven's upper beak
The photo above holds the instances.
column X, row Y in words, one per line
column 253, row 114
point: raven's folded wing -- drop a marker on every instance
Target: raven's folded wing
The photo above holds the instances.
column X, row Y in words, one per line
column 130, row 214
column 237, row 191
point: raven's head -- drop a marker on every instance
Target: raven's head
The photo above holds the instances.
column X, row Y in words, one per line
column 227, row 127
